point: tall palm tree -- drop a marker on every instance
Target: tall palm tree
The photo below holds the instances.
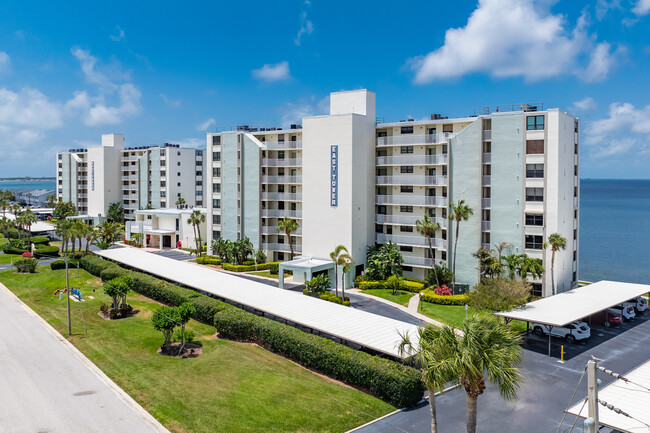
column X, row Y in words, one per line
column 77, row 233
column 428, row 229
column 51, row 200
column 500, row 247
column 107, row 233
column 5, row 225
column 91, row 233
column 28, row 218
column 458, row 212
column 4, row 204
column 288, row 226
column 196, row 219
column 557, row 242
column 341, row 257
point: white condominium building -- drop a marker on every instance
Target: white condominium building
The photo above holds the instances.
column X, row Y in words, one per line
column 348, row 179
column 138, row 177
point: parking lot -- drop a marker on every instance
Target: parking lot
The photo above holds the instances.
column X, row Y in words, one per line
column 546, row 391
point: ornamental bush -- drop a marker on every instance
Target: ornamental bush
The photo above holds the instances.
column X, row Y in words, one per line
column 430, row 296
column 442, row 291
column 40, row 240
column 208, row 260
column 248, row 268
column 395, row 383
column 26, row 265
column 407, row 285
column 60, row 264
column 11, row 250
column 46, row 251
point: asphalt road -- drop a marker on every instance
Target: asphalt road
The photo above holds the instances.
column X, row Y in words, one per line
column 47, row 386
column 545, row 393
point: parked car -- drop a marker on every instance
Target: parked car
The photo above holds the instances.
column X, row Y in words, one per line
column 640, row 304
column 626, row 310
column 571, row 332
column 606, row 318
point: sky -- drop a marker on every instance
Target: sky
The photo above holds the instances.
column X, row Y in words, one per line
column 171, row 72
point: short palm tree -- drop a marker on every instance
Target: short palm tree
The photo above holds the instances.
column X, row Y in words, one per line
column 5, row 225
column 78, row 232
column 107, row 233
column 180, row 201
column 196, row 219
column 530, row 266
column 458, row 212
column 428, row 229
column 341, row 257
column 4, row 204
column 62, row 230
column 287, row 226
column 91, row 233
column 557, row 242
column 51, row 200
column 27, row 219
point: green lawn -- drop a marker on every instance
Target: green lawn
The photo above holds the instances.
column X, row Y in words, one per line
column 401, row 297
column 267, row 274
column 5, row 259
column 231, row 387
column 454, row 315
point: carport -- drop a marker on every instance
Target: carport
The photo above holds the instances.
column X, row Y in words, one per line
column 304, row 268
column 576, row 304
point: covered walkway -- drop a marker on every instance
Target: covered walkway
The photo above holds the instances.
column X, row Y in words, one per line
column 348, row 325
column 304, row 268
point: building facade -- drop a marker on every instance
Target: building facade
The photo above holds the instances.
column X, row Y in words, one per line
column 138, row 177
column 348, row 179
column 166, row 228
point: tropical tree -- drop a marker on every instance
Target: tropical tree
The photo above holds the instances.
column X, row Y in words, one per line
column 91, row 233
column 62, row 229
column 5, row 225
column 557, row 242
column 531, row 266
column 196, row 219
column 115, row 212
column 165, row 320
column 394, row 283
column 499, row 294
column 500, row 247
column 78, row 233
column 107, row 234
column 318, row 284
column 220, row 247
column 512, row 263
column 4, row 204
column 51, row 200
column 64, row 209
column 383, row 261
column 428, row 229
column 341, row 257
column 458, row 212
column 7, row 195
column 287, row 226
column 180, row 201
column 488, row 265
column 185, row 312
column 28, row 218
column 440, row 274
column 118, row 288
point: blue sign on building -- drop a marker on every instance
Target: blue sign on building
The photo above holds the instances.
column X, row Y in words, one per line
column 334, row 166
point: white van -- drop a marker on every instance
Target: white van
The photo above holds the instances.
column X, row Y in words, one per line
column 626, row 310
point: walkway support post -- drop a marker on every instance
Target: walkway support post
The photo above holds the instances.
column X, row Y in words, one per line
column 592, row 395
column 281, row 272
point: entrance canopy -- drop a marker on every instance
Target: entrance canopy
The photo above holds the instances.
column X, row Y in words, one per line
column 630, row 396
column 303, row 268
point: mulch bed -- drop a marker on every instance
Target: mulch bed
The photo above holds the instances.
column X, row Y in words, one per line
column 105, row 316
column 191, row 350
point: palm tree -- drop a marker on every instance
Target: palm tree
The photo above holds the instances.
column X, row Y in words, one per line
column 288, row 226
column 530, row 266
column 5, row 225
column 341, row 257
column 4, row 204
column 77, row 233
column 500, row 247
column 428, row 229
column 180, row 201
column 91, row 234
column 27, row 219
column 513, row 262
column 459, row 212
column 196, row 219
column 51, row 200
column 62, row 230
column 107, row 233
column 557, row 242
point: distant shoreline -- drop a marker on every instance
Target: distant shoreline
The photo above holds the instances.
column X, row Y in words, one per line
column 27, row 179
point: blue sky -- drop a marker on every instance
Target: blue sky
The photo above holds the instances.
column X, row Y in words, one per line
column 169, row 72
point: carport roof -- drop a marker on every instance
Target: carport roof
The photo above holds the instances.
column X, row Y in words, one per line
column 576, row 304
column 632, row 397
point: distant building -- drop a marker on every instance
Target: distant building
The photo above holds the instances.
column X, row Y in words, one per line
column 165, row 228
column 34, row 197
column 138, row 177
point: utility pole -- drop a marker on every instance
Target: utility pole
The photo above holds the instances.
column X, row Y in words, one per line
column 592, row 395
column 67, row 287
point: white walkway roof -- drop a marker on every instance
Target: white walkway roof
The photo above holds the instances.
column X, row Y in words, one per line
column 576, row 304
column 365, row 329
column 632, row 398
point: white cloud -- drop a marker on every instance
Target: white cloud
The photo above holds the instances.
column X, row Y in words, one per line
column 293, row 112
column 170, row 102
column 191, row 142
column 206, row 125
column 29, row 108
column 603, row 7
column 5, row 62
column 514, row 38
column 276, row 72
column 602, row 62
column 641, row 8
column 585, row 104
column 626, row 129
column 120, row 36
column 306, row 26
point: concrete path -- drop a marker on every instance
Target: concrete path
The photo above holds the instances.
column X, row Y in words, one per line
column 411, row 310
column 47, row 385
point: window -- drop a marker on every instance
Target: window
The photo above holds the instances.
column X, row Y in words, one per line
column 163, row 173
column 534, row 170
column 448, row 128
column 407, row 268
column 216, row 234
column 199, row 163
column 575, row 191
column 216, row 156
column 163, row 204
column 163, row 183
column 178, row 154
column 443, row 255
column 534, row 242
column 534, row 194
column 534, row 123
column 575, row 276
column 216, row 140
column 575, row 255
column 379, row 228
column 216, row 203
column 199, row 183
column 406, row 189
column 177, row 224
column 162, row 152
column 407, row 229
column 216, row 172
column 216, row 219
column 536, row 289
column 178, row 163
column 163, row 193
column 533, row 219
column 406, row 169
column 281, row 138
column 407, row 130
column 179, row 184
column 406, row 149
column 199, row 173
column 534, row 147
column 407, row 209
column 178, row 174
column 406, row 249
column 216, row 187
column 163, row 163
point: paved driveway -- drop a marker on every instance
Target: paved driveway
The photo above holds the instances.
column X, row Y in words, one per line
column 46, row 385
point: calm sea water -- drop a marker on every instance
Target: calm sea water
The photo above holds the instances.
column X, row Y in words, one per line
column 27, row 185
column 615, row 230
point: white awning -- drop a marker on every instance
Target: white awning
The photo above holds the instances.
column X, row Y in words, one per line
column 631, row 397
column 576, row 304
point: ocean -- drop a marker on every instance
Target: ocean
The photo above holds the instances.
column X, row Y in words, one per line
column 27, row 185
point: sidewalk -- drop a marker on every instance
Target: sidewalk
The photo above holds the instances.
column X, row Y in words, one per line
column 412, row 308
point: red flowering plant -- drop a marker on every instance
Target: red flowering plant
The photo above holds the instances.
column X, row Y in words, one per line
column 442, row 291
column 27, row 254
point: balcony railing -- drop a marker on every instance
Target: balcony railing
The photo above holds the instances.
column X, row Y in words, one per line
column 272, row 145
column 485, row 226
column 129, row 158
column 487, row 157
column 412, row 160
column 82, row 177
column 419, row 241
column 132, row 177
column 282, row 162
column 282, row 179
column 273, row 230
column 275, row 213
column 411, row 180
column 417, row 261
column 415, row 200
column 487, row 180
column 282, row 247
column 400, row 140
column 131, row 206
column 487, row 135
column 407, row 220
column 283, row 196
column 486, row 203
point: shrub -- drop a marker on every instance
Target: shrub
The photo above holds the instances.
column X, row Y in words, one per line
column 395, row 383
column 249, row 262
column 26, row 265
column 430, row 296
column 415, row 280
column 274, row 268
column 208, row 260
column 60, row 264
column 409, row 286
column 440, row 275
column 442, row 291
column 27, row 255
column 40, row 240
column 394, row 283
column 499, row 294
column 11, row 250
column 248, row 268
column 46, row 251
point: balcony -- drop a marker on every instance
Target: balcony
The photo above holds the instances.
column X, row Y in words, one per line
column 131, row 206
column 411, row 180
column 281, row 213
column 129, row 158
column 282, row 196
column 273, row 145
column 281, row 162
column 401, row 140
column 485, row 226
column 273, row 230
column 282, row 247
column 82, row 177
column 487, row 158
column 412, row 160
column 407, row 220
column 82, row 195
column 487, row 180
column 282, row 179
column 487, row 135
column 418, row 261
column 131, row 177
column 486, row 203
column 413, row 200
column 419, row 241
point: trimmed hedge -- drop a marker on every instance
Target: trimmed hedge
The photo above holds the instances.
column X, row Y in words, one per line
column 40, row 240
column 430, row 296
column 46, row 251
column 248, row 268
column 395, row 383
column 208, row 260
column 415, row 280
column 409, row 286
column 12, row 250
column 60, row 264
